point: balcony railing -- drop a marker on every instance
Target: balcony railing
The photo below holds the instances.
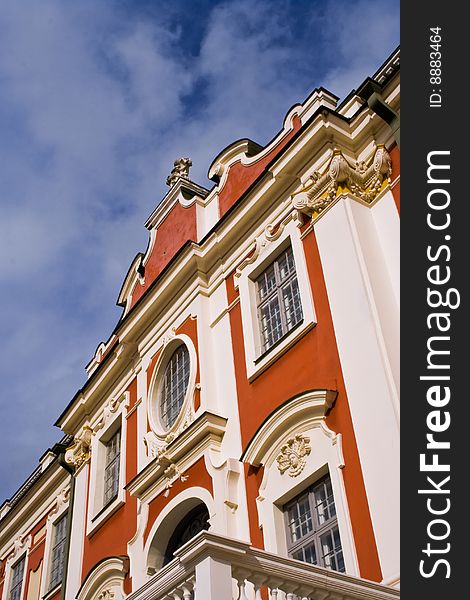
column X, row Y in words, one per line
column 212, row 567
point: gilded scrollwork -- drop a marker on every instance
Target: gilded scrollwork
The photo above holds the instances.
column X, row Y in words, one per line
column 364, row 179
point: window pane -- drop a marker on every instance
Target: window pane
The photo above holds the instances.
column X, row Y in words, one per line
column 286, row 264
column 271, row 325
column 332, row 554
column 111, row 471
column 324, row 503
column 58, row 552
column 291, row 302
column 312, row 528
column 17, row 580
column 174, row 385
column 266, row 283
column 300, row 519
column 279, row 305
column 306, row 554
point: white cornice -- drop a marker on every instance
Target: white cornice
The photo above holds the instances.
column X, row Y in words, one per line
column 36, row 504
column 205, row 432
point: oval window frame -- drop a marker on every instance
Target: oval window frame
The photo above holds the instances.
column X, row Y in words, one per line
column 153, row 409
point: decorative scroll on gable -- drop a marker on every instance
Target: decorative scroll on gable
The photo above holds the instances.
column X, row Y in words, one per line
column 364, row 179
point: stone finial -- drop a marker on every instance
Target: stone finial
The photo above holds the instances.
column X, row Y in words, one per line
column 180, row 169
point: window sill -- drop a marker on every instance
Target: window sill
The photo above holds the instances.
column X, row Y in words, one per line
column 272, row 354
column 104, row 514
column 52, row 592
column 279, row 342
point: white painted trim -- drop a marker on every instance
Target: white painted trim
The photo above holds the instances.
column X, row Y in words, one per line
column 153, row 408
column 20, row 552
column 107, row 575
column 169, row 518
column 267, row 253
column 367, row 374
column 77, row 533
column 107, row 427
column 277, row 489
column 306, row 408
column 61, row 507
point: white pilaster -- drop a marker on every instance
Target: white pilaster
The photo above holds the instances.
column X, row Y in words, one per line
column 77, row 534
column 366, row 369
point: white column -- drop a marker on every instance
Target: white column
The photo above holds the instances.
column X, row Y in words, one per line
column 77, row 534
column 213, row 580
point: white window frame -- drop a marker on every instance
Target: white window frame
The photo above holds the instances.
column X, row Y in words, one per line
column 11, row 562
column 256, row 359
column 277, row 490
column 53, row 544
column 98, row 512
column 153, row 400
column 45, row 591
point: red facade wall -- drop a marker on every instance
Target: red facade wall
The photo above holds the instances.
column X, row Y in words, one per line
column 175, row 230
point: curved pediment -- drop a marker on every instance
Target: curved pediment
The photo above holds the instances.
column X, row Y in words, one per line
column 306, row 409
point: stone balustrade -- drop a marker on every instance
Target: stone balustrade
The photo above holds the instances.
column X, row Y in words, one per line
column 212, row 567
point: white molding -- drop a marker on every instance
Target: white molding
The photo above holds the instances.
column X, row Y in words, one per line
column 186, row 414
column 200, row 558
column 347, row 265
column 168, row 519
column 278, row 488
column 108, row 422
column 21, row 546
column 205, row 433
column 24, row 516
column 308, row 408
column 109, row 574
column 267, row 247
column 61, row 506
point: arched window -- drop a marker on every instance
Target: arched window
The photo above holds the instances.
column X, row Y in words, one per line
column 195, row 521
column 173, row 386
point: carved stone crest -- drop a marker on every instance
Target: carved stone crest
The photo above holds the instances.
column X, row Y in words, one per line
column 292, row 457
column 106, row 595
column 180, row 169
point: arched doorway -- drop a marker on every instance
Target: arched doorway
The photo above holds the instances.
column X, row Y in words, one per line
column 195, row 521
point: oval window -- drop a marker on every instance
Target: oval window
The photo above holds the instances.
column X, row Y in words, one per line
column 173, row 386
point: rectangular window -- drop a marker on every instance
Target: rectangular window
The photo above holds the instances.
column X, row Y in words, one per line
column 111, row 469
column 278, row 299
column 312, row 527
column 17, row 573
column 58, row 552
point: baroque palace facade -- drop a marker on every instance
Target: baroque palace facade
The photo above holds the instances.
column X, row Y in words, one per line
column 237, row 436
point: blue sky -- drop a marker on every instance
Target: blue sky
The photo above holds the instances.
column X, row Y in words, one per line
column 97, row 98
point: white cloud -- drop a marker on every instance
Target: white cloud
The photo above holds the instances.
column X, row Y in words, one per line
column 95, row 104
